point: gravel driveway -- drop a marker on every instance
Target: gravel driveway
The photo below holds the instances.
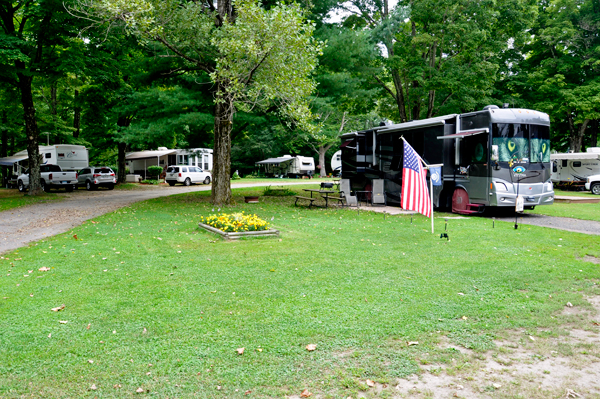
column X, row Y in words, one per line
column 553, row 222
column 20, row 226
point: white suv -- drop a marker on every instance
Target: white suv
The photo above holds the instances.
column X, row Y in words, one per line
column 187, row 175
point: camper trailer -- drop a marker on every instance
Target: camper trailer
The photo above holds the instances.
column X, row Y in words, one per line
column 69, row 157
column 288, row 166
column 489, row 158
column 138, row 162
column 572, row 169
column 336, row 163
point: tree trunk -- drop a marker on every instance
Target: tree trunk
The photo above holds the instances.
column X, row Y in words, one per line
column 594, row 133
column 577, row 134
column 31, row 130
column 122, row 122
column 76, row 115
column 122, row 148
column 221, row 173
column 322, row 151
column 4, row 149
column 399, row 95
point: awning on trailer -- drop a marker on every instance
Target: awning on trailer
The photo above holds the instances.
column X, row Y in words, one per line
column 345, row 143
column 463, row 134
column 575, row 155
column 148, row 154
column 274, row 161
column 9, row 161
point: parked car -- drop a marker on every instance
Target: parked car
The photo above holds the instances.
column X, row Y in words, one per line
column 592, row 183
column 52, row 176
column 96, row 176
column 186, row 175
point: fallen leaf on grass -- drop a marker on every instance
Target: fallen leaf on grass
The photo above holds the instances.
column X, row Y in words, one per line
column 411, row 343
column 465, row 317
column 370, row 383
column 75, row 236
column 305, row 394
column 569, row 305
column 44, row 269
column 88, row 326
column 247, row 392
column 63, row 321
column 58, row 309
column 140, row 390
column 531, row 338
column 240, row 351
column 117, row 386
column 311, row 347
column 90, row 361
column 93, row 387
column 460, row 293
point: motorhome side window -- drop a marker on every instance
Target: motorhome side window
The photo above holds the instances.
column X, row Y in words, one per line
column 477, row 121
column 475, row 149
column 577, row 164
column 48, row 155
column 364, row 148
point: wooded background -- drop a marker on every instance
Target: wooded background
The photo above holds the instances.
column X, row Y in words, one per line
column 117, row 75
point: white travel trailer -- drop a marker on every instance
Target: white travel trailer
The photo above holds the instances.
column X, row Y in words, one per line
column 575, row 167
column 69, row 157
column 336, row 163
column 138, row 162
column 288, row 165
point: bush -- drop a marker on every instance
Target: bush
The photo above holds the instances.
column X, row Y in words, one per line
column 154, row 171
column 236, row 176
column 150, row 181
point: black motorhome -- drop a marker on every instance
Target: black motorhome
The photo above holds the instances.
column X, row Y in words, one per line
column 489, row 158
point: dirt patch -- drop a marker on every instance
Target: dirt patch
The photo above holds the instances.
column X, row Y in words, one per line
column 593, row 259
column 532, row 364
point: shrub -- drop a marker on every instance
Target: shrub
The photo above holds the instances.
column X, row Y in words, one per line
column 154, row 171
column 150, row 181
column 236, row 176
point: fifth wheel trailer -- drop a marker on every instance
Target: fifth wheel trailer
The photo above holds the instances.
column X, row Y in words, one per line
column 68, row 156
column 573, row 168
column 481, row 152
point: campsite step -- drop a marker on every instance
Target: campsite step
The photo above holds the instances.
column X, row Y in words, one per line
column 472, row 208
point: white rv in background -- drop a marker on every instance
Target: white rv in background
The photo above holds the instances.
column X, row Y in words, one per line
column 575, row 167
column 336, row 163
column 288, row 165
column 71, row 158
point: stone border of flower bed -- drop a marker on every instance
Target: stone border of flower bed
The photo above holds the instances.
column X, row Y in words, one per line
column 240, row 234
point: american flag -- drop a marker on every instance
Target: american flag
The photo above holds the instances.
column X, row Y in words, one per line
column 415, row 196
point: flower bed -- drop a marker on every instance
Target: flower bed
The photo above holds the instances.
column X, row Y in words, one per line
column 236, row 225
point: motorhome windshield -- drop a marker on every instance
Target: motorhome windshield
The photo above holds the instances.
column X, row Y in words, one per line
column 521, row 142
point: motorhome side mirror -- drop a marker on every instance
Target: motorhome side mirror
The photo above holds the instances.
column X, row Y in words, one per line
column 495, row 156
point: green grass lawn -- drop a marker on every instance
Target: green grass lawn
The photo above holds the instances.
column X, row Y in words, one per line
column 153, row 302
column 572, row 210
column 11, row 198
column 584, row 194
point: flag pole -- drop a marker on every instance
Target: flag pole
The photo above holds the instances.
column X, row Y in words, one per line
column 431, row 193
column 428, row 167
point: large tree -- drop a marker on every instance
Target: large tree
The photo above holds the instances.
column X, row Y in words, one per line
column 32, row 32
column 255, row 58
column 439, row 56
column 559, row 72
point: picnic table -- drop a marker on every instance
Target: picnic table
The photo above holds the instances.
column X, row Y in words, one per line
column 313, row 199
